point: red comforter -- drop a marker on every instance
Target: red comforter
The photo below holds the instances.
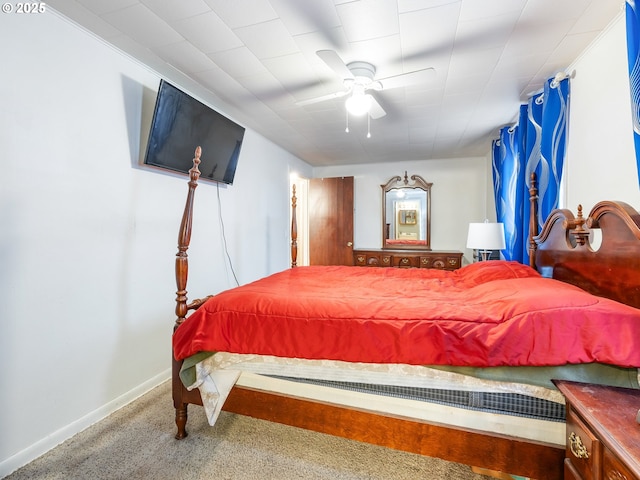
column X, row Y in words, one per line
column 485, row 314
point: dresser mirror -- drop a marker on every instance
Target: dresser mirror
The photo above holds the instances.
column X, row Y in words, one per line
column 406, row 213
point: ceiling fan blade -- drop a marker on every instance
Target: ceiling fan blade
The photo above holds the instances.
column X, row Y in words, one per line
column 376, row 111
column 405, row 79
column 322, row 98
column 335, row 63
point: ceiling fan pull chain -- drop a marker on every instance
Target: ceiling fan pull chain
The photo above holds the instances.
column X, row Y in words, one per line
column 368, row 126
column 347, row 112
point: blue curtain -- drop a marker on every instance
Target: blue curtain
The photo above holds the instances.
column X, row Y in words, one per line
column 507, row 176
column 555, row 115
column 531, row 118
column 535, row 144
column 633, row 54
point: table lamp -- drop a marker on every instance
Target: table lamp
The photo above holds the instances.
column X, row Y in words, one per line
column 486, row 237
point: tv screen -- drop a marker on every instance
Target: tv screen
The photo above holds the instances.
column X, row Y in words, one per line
column 181, row 123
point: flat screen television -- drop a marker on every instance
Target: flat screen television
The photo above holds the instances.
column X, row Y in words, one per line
column 181, row 123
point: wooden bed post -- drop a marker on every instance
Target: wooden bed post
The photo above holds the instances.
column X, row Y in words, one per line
column 184, row 238
column 294, row 228
column 182, row 271
column 533, row 219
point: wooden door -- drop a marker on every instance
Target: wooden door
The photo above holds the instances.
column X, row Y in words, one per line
column 331, row 221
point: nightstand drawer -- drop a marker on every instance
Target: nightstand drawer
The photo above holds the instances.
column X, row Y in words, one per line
column 570, row 472
column 612, row 469
column 583, row 448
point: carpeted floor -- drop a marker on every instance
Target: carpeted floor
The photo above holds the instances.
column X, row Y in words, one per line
column 137, row 443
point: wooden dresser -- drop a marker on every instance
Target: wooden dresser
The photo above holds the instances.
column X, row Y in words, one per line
column 443, row 260
column 603, row 436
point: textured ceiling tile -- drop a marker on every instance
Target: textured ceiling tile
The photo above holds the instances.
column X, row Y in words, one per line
column 549, row 10
column 241, row 13
column 238, row 62
column 306, row 17
column 208, row 32
column 598, row 15
column 173, row 11
column 268, row 39
column 528, row 38
column 101, row 7
column 143, row 26
column 491, row 8
column 429, row 32
column 185, row 57
column 367, row 19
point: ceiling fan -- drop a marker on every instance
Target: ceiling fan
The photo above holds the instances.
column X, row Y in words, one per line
column 359, row 78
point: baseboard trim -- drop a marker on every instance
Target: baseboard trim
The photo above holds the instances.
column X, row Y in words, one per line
column 41, row 447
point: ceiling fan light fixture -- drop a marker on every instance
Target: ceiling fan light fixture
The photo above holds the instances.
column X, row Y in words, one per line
column 358, row 104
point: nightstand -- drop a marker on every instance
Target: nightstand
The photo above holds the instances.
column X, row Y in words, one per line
column 603, row 436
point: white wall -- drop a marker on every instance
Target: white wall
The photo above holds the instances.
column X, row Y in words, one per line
column 459, row 195
column 601, row 161
column 88, row 238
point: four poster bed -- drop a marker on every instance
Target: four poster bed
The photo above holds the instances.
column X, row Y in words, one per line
column 464, row 359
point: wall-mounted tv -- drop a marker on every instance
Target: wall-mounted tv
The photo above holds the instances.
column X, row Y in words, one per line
column 180, row 123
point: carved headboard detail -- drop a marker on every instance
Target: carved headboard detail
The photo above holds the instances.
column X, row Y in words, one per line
column 563, row 250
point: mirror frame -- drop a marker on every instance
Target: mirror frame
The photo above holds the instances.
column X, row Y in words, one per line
column 417, row 183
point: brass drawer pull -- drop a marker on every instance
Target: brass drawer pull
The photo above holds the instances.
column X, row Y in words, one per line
column 577, row 447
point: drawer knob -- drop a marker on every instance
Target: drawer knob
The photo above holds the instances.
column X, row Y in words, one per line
column 577, row 447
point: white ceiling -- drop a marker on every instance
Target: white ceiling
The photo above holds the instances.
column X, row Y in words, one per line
column 254, row 59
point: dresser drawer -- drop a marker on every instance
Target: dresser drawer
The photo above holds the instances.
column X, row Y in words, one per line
column 431, row 261
column 365, row 259
column 406, row 261
column 583, row 448
column 441, row 261
column 453, row 262
column 612, row 469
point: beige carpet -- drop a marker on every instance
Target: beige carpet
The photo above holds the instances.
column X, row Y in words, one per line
column 137, row 443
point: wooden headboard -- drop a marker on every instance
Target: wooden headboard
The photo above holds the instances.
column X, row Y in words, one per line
column 563, row 250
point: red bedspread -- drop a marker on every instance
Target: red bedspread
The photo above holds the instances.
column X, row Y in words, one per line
column 485, row 314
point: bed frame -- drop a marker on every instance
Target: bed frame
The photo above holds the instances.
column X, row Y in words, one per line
column 562, row 251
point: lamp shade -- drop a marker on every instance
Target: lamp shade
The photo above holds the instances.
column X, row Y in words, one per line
column 486, row 236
